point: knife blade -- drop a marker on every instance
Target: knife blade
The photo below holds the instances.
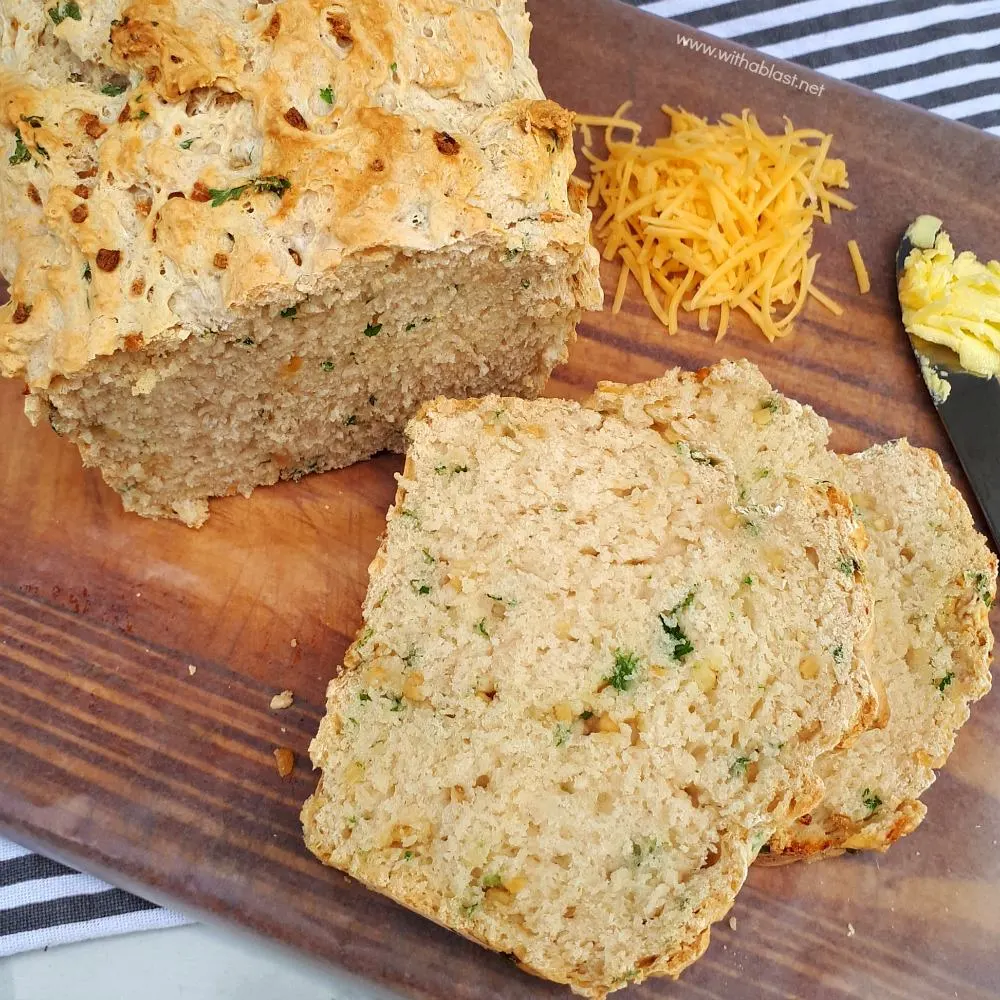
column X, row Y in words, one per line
column 968, row 404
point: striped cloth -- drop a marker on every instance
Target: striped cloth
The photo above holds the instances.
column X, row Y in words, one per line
column 943, row 57
column 43, row 903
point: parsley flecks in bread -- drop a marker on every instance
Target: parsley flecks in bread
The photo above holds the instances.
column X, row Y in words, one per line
column 257, row 197
column 932, row 576
column 570, row 740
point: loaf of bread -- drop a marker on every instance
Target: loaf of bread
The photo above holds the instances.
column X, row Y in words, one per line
column 593, row 679
column 245, row 241
column 933, row 580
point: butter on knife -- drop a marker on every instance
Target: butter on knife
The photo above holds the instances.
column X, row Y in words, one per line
column 951, row 300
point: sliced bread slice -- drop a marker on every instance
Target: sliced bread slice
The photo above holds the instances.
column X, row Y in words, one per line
column 591, row 683
column 933, row 580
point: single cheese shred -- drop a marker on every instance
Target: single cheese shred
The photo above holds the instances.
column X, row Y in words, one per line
column 714, row 217
column 864, row 282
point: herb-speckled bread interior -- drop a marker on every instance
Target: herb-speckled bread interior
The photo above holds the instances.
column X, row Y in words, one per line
column 933, row 580
column 591, row 683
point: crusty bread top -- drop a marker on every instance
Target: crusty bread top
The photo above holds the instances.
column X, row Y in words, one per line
column 590, row 684
column 933, row 581
column 406, row 124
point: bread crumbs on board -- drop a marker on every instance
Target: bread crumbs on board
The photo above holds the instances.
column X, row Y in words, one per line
column 282, row 700
column 284, row 759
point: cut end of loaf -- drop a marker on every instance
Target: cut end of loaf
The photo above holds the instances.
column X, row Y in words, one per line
column 209, row 170
column 283, row 393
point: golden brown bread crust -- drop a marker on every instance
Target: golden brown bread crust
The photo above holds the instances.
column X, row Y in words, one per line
column 411, row 125
column 839, row 834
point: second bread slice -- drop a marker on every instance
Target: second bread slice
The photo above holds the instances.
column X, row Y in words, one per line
column 933, row 580
column 591, row 683
column 932, row 576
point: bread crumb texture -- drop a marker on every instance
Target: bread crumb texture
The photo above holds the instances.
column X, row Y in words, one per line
column 246, row 240
column 596, row 669
column 933, row 581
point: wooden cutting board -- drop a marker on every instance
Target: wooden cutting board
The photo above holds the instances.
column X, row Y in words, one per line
column 137, row 658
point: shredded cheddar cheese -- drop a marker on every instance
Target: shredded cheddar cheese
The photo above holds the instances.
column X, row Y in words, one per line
column 864, row 282
column 825, row 300
column 714, row 217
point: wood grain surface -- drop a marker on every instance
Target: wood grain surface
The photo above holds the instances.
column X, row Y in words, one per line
column 117, row 757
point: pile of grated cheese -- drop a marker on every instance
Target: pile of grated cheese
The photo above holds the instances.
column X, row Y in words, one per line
column 714, row 216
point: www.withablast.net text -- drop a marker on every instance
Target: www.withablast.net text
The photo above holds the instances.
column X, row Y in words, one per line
column 752, row 64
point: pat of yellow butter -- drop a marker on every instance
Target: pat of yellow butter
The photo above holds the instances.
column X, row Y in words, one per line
column 954, row 301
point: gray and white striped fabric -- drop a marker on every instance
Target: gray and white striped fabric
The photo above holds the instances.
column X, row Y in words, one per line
column 44, row 903
column 943, row 57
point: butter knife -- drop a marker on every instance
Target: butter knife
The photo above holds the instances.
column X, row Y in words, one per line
column 968, row 405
